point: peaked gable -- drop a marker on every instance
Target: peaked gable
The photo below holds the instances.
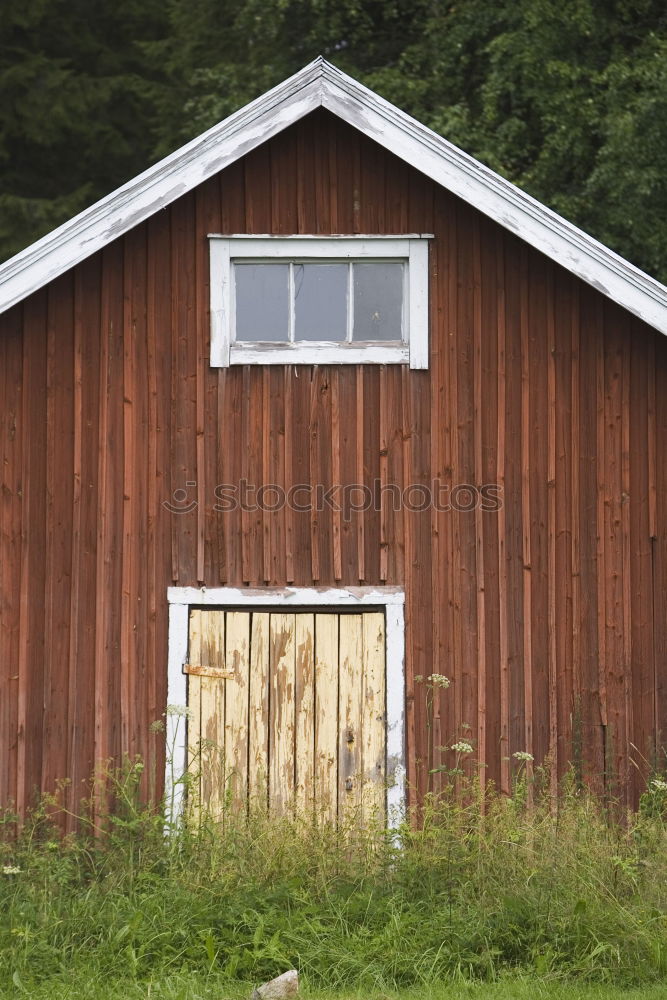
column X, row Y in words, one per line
column 322, row 85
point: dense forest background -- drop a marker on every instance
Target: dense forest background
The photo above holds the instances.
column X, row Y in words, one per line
column 567, row 98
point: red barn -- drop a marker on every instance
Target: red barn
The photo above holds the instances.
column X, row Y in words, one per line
column 309, row 416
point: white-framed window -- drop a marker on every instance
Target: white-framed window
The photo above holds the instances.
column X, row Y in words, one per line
column 319, row 300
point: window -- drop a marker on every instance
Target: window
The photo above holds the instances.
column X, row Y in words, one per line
column 319, row 300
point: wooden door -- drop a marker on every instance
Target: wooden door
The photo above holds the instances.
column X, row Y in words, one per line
column 288, row 709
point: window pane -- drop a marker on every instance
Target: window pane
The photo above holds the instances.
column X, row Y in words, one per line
column 262, row 311
column 320, row 301
column 378, row 301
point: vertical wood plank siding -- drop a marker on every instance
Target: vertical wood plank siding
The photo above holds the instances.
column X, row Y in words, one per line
column 548, row 617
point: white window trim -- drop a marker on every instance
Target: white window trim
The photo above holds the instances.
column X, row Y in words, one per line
column 412, row 248
column 391, row 598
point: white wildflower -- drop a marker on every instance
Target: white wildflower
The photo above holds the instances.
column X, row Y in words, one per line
column 10, row 870
column 180, row 711
column 461, row 747
column 523, row 755
column 658, row 785
column 438, row 680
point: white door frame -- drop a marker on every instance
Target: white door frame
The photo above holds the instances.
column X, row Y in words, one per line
column 182, row 598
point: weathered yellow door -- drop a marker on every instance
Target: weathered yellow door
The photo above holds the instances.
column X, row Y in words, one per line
column 288, row 709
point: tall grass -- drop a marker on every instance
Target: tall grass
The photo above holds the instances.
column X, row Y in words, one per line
column 477, row 889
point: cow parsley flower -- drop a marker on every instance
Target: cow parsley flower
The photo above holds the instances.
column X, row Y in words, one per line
column 523, row 755
column 10, row 870
column 461, row 747
column 180, row 711
column 658, row 785
column 438, row 680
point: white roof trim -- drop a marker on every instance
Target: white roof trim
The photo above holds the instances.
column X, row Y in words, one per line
column 321, row 85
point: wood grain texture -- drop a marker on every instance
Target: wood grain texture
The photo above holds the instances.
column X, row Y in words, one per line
column 479, row 478
column 60, row 522
column 487, row 529
column 660, row 549
column 266, row 731
column 30, row 664
column 282, row 651
column 326, row 716
column 350, row 744
column 373, row 714
column 258, row 721
column 210, row 637
column 11, row 378
column 526, row 503
column 501, row 522
column 237, row 661
column 81, row 737
column 304, row 708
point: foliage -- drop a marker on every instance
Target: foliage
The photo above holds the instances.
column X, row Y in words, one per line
column 567, row 98
column 75, row 102
column 479, row 890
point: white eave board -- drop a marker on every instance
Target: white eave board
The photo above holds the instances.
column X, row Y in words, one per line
column 321, row 85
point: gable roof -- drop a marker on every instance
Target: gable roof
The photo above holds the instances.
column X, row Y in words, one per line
column 320, row 84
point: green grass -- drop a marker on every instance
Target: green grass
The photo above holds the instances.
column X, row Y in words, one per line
column 496, row 899
column 214, row 987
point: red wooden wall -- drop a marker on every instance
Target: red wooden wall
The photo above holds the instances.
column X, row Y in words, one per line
column 548, row 616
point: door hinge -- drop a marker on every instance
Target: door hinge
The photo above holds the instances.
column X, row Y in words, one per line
column 200, row 671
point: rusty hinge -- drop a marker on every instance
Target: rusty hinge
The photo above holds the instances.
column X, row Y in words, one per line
column 199, row 671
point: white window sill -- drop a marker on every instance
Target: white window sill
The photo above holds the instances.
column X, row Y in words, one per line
column 319, row 354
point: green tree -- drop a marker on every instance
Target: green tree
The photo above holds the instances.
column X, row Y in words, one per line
column 75, row 107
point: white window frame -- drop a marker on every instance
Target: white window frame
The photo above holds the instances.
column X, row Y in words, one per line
column 411, row 249
column 181, row 599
